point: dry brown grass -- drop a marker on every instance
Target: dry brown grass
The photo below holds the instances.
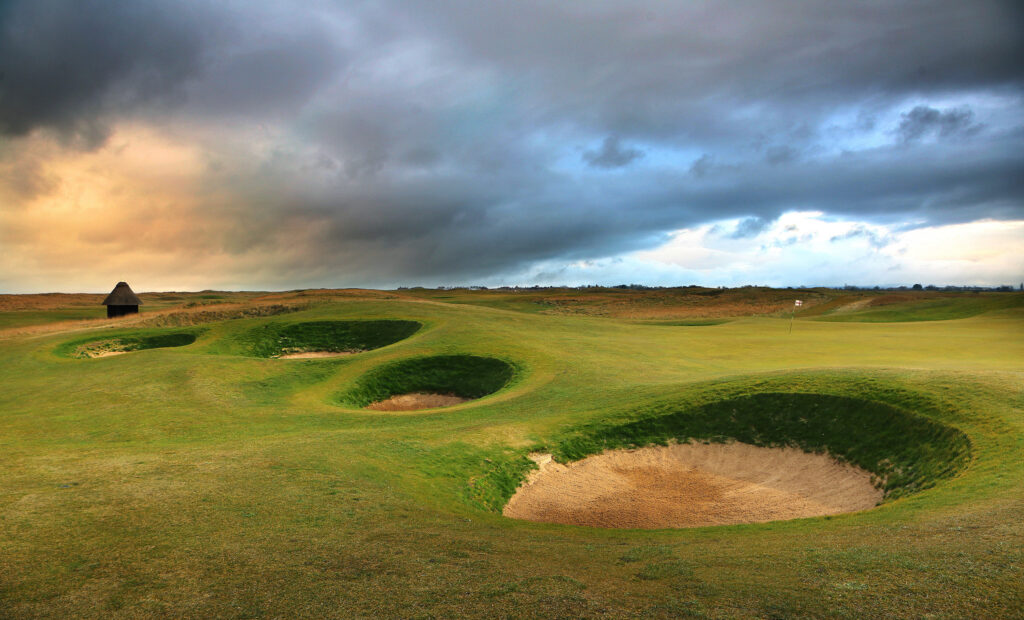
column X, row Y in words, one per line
column 48, row 301
column 685, row 303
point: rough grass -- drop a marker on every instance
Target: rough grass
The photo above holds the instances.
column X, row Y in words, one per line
column 941, row 309
column 195, row 314
column 272, row 339
column 653, row 304
column 467, row 376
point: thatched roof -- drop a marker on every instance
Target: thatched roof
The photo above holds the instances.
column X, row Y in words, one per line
column 122, row 295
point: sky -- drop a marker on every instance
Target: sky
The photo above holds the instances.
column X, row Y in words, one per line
column 257, row 145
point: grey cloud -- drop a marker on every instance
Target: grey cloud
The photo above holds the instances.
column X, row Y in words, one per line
column 423, row 140
column 612, row 155
column 66, row 65
column 875, row 240
column 660, row 71
column 76, row 66
column 457, row 227
column 924, row 120
column 702, row 165
column 750, row 227
column 268, row 76
column 778, row 155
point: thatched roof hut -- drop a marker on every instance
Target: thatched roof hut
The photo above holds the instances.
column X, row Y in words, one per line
column 121, row 301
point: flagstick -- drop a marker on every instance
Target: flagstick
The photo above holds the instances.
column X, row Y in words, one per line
column 791, row 317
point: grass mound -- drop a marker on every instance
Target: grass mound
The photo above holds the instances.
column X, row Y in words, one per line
column 905, row 452
column 942, row 309
column 274, row 339
column 466, row 376
column 103, row 346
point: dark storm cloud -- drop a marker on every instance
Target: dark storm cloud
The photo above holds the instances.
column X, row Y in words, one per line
column 65, row 65
column 923, row 120
column 453, row 140
column 718, row 71
column 78, row 66
column 612, row 154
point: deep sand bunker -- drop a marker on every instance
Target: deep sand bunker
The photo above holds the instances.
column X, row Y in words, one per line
column 415, row 401
column 428, row 382
column 103, row 353
column 322, row 339
column 108, row 347
column 691, row 485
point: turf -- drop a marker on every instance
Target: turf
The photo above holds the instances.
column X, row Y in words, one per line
column 206, row 481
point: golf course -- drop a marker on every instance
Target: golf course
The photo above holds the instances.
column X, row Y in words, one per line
column 353, row 453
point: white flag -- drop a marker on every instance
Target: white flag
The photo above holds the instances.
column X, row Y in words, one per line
column 798, row 303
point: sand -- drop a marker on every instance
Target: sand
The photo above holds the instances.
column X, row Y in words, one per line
column 691, row 485
column 305, row 355
column 106, row 353
column 416, row 400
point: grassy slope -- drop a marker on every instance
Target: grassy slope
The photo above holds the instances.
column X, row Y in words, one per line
column 937, row 309
column 194, row 482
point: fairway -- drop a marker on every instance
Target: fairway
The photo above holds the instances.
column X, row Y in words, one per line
column 196, row 474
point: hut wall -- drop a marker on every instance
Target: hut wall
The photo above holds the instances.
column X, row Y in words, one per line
column 115, row 311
